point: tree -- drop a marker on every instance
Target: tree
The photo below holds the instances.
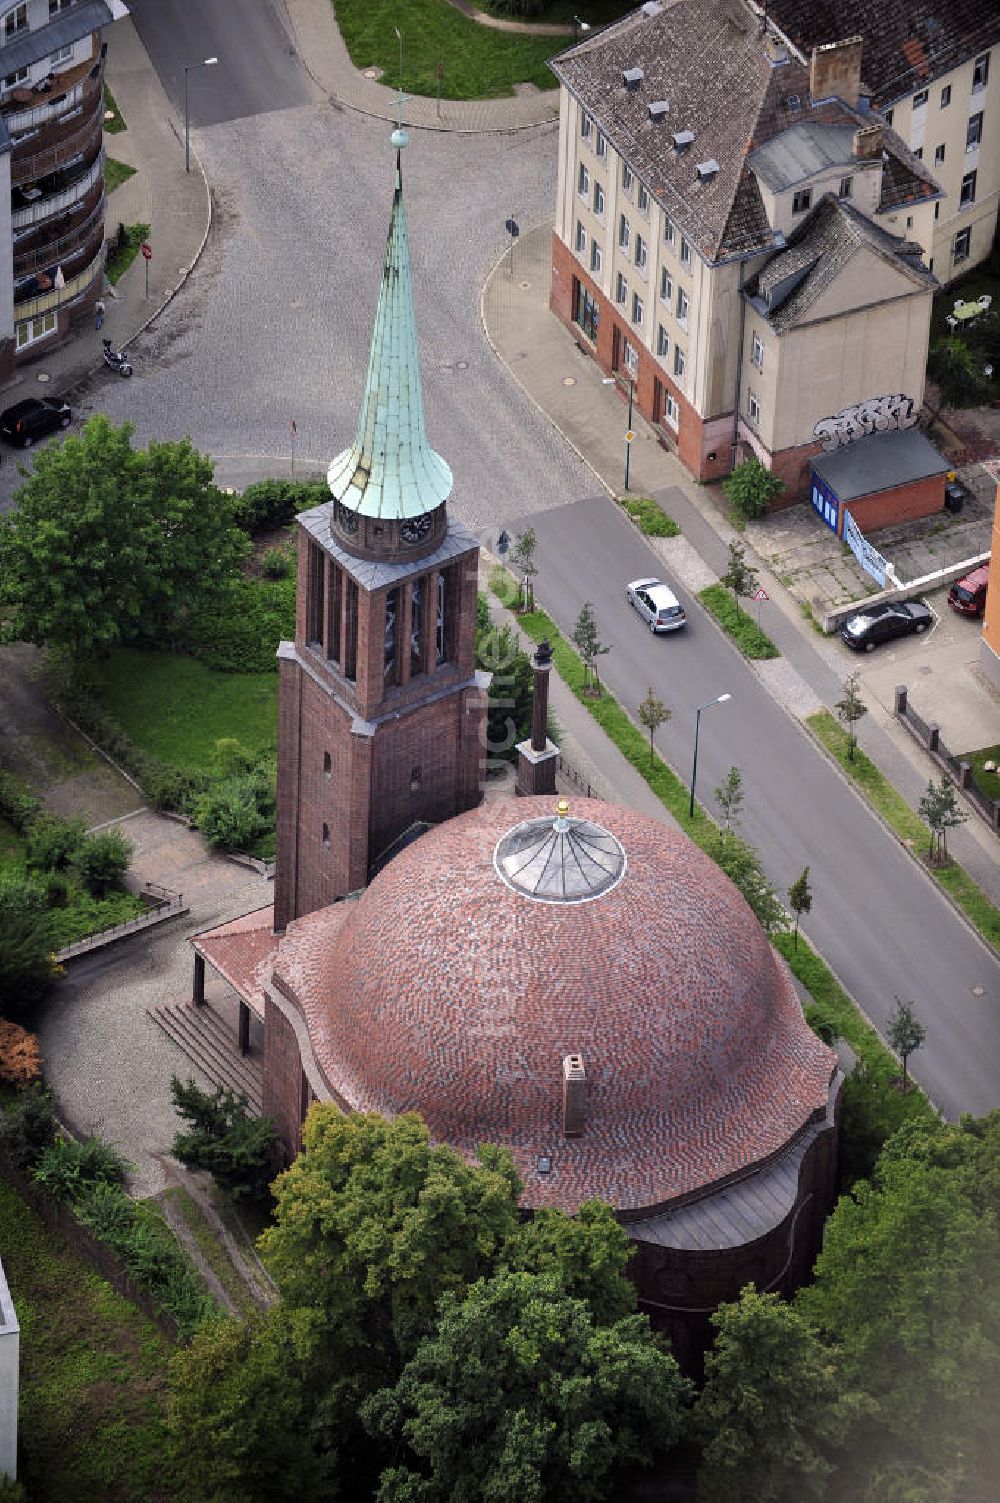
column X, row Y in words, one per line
column 512, row 687
column 233, row 812
column 102, row 861
column 752, row 487
column 587, row 1252
column 522, row 556
column 849, row 711
column 652, row 713
column 729, row 797
column 222, row 1137
column 871, row 1111
column 586, row 639
column 800, row 900
column 27, row 965
column 906, row 1034
column 519, row 1394
column 53, row 841
column 739, row 577
column 940, row 811
column 741, row 864
column 770, row 1407
column 958, row 373
column 108, row 542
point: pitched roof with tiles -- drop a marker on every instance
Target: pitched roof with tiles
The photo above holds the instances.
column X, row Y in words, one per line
column 451, row 988
column 787, row 286
column 904, row 47
column 242, row 951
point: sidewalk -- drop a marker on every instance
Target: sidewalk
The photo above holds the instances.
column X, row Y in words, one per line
column 566, row 385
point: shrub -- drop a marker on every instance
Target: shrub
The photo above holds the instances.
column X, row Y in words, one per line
column 239, row 631
column 27, row 966
column 237, row 1149
column 277, row 563
column 16, row 806
column 748, row 636
column 957, row 372
column 102, row 861
column 54, row 841
column 28, row 1127
column 269, row 504
column 233, row 812
column 66, row 1167
column 871, row 1110
column 20, row 1056
column 751, row 488
column 649, row 517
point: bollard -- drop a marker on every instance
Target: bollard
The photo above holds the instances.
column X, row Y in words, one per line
column 900, row 700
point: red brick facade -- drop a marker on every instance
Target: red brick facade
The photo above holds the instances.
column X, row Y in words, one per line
column 904, row 503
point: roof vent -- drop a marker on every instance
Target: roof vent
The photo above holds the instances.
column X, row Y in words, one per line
column 632, row 77
column 658, row 109
column 707, row 170
column 652, row 8
column 793, row 103
column 574, row 1095
column 683, row 139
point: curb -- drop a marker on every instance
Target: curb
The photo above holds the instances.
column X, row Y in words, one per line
column 194, row 260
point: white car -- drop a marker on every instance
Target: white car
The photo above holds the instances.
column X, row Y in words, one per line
column 657, row 605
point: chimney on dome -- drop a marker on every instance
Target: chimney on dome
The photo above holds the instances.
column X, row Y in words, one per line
column 835, row 71
column 868, row 140
column 574, row 1095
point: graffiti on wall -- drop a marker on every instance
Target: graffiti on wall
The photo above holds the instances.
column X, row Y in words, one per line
column 877, row 415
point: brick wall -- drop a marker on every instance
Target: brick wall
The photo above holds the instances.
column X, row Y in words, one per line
column 904, row 503
column 282, row 1085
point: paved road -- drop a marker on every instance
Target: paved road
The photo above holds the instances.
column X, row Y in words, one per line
column 258, row 68
column 878, row 920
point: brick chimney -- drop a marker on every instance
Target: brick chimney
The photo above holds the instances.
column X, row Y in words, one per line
column 868, row 141
column 835, row 71
column 574, row 1095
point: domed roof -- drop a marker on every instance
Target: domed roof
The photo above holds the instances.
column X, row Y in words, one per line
column 491, row 950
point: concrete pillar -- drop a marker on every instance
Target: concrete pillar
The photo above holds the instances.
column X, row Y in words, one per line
column 198, row 986
column 899, row 704
column 965, row 774
column 933, row 737
column 537, row 758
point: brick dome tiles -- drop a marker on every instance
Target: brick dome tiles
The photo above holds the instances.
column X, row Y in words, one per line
column 442, row 990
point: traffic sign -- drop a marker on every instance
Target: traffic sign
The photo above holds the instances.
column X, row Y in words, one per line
column 629, row 436
column 760, row 593
column 147, row 250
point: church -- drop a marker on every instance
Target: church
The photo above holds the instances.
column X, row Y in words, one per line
column 570, row 980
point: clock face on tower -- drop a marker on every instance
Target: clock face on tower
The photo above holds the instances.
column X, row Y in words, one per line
column 415, row 529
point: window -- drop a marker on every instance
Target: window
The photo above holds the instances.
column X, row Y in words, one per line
column 919, row 153
column 327, row 766
column 683, row 304
column 757, row 352
column 55, row 6
column 630, row 359
column 802, row 200
column 624, row 233
column 753, row 407
column 583, row 182
column 930, row 264
column 888, row 117
column 33, row 329
column 595, row 258
column 946, row 96
column 974, row 131
column 390, row 663
column 846, row 187
column 967, row 195
column 581, row 238
column 662, row 342
column 588, row 314
column 586, row 124
column 640, row 253
column 666, row 285
column 628, row 178
column 980, row 73
column 671, row 411
column 441, row 623
column 601, row 145
column 637, row 308
column 326, row 836
column 669, row 231
column 937, row 209
column 642, row 199
column 598, row 199
column 909, row 221
column 621, row 289
column 939, row 154
column 678, row 362
column 13, row 79
column 15, row 19
column 64, row 55
column 961, row 246
column 920, row 99
column 685, row 252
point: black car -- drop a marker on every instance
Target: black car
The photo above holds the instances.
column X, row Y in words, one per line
column 881, row 623
column 33, row 418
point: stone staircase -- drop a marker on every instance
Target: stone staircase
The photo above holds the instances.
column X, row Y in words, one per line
column 211, row 1045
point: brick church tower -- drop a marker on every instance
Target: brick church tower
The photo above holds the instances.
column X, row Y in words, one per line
column 381, row 713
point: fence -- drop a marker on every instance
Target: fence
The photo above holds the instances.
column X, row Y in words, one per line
column 929, row 737
column 163, row 904
column 571, row 775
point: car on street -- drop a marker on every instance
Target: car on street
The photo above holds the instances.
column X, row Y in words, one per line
column 874, row 624
column 33, row 418
column 657, row 605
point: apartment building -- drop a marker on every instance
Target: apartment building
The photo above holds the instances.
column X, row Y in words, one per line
column 741, row 237
column 52, row 198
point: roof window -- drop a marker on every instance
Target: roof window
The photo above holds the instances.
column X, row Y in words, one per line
column 632, row 77
column 683, row 139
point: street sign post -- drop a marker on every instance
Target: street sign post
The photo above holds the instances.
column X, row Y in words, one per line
column 760, row 594
column 147, row 256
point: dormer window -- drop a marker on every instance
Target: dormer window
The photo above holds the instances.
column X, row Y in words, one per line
column 707, row 170
column 802, row 201
column 632, row 77
column 682, row 140
column 658, row 109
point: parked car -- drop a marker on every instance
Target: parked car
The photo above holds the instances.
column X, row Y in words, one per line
column 968, row 595
column 881, row 623
column 657, row 605
column 33, row 418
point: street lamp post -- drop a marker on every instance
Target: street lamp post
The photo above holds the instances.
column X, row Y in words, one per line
column 207, row 62
column 611, row 381
column 719, row 699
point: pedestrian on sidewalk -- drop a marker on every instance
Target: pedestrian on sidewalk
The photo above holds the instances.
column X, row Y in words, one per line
column 99, row 312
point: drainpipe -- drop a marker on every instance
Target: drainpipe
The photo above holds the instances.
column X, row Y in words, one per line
column 739, row 371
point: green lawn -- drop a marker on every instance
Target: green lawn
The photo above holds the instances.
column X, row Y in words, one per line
column 116, row 123
column 737, row 623
column 176, row 709
column 121, row 255
column 476, row 62
column 596, row 13
column 116, row 173
column 988, row 783
column 649, row 517
column 93, row 1386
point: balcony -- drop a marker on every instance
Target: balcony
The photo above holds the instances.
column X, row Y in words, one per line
column 58, row 241
column 76, row 86
column 60, row 190
column 49, row 301
column 61, row 146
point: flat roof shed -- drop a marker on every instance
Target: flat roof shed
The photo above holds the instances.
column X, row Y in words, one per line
column 881, row 462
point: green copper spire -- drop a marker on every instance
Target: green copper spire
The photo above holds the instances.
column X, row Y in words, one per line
column 391, row 471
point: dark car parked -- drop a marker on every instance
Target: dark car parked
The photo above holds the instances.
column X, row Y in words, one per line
column 881, row 623
column 968, row 596
column 33, row 418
